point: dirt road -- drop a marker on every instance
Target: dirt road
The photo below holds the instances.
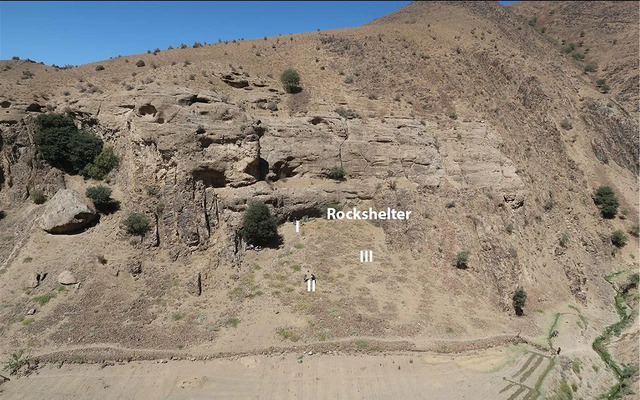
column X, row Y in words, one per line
column 501, row 373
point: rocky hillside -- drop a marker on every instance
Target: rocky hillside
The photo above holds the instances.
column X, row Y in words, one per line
column 462, row 112
column 604, row 33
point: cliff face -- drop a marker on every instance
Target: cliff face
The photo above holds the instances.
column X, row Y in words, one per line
column 462, row 113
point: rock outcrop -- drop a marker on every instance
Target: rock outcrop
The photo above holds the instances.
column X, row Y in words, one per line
column 67, row 212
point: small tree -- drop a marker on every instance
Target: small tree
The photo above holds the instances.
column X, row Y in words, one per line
column 606, row 200
column 462, row 259
column 101, row 165
column 618, row 238
column 100, row 195
column 519, row 300
column 37, row 196
column 259, row 227
column 137, row 223
column 290, row 80
column 337, row 173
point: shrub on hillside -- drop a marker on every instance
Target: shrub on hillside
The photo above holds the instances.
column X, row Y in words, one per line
column 566, row 125
column 462, row 259
column 618, row 238
column 100, row 195
column 37, row 196
column 17, row 360
column 63, row 145
column 578, row 56
column 102, row 164
column 137, row 223
column 635, row 230
column 606, row 200
column 346, row 113
column 99, row 67
column 290, row 80
column 590, row 67
column 519, row 300
column 259, row 227
column 140, row 63
column 337, row 173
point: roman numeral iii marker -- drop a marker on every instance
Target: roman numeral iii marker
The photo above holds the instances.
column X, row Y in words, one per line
column 366, row 255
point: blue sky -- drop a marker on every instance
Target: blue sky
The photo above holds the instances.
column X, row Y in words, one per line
column 82, row 32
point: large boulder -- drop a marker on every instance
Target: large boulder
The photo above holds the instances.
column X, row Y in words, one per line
column 67, row 212
column 67, row 278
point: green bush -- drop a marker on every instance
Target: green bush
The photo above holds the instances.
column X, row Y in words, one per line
column 100, row 67
column 590, row 67
column 337, row 173
column 137, row 223
column 346, row 113
column 101, row 165
column 519, row 300
column 140, row 63
column 635, row 230
column 462, row 259
column 606, row 200
column 17, row 361
column 618, row 238
column 578, row 56
column 564, row 239
column 37, row 196
column 259, row 227
column 63, row 145
column 291, row 80
column 100, row 195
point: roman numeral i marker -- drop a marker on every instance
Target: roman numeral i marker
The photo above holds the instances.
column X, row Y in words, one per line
column 366, row 255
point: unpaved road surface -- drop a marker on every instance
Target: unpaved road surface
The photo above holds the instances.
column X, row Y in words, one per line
column 505, row 373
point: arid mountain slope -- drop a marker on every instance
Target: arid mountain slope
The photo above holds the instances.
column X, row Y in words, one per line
column 461, row 112
column 605, row 32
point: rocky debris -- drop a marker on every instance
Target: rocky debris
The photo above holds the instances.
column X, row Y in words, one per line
column 67, row 212
column 10, row 119
column 33, row 281
column 66, row 277
column 31, row 311
column 34, row 107
column 235, row 80
column 194, row 285
column 135, row 268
